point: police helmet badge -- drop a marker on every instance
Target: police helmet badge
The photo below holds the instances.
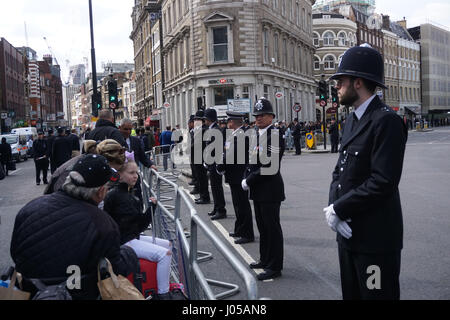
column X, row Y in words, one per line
column 259, row 105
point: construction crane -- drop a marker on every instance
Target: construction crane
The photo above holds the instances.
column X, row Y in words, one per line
column 51, row 51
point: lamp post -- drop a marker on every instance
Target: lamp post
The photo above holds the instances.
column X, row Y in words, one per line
column 94, row 68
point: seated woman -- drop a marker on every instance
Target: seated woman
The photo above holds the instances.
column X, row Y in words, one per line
column 126, row 209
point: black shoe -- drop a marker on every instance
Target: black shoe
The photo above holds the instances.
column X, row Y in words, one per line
column 234, row 235
column 219, row 216
column 202, row 201
column 194, row 191
column 38, row 183
column 268, row 274
column 212, row 213
column 192, row 183
column 163, row 296
column 257, row 265
column 45, row 182
column 243, row 240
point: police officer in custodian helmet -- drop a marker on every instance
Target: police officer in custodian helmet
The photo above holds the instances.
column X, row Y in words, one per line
column 364, row 201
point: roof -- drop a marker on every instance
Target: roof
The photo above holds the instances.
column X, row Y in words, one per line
column 400, row 31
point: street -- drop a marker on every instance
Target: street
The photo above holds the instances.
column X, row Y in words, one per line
column 311, row 269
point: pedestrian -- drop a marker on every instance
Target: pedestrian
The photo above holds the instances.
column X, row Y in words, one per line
column 127, row 211
column 364, row 201
column 150, row 138
column 194, row 181
column 197, row 154
column 266, row 191
column 66, row 229
column 234, row 171
column 61, row 150
column 40, row 158
column 5, row 155
column 334, row 136
column 105, row 128
column 297, row 136
column 166, row 142
column 72, row 137
column 30, row 146
column 51, row 139
column 215, row 179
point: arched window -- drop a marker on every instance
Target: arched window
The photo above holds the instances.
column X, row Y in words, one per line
column 316, row 39
column 328, row 39
column 342, row 38
column 329, row 62
column 316, row 63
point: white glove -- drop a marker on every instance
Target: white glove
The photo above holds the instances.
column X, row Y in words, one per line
column 205, row 165
column 220, row 172
column 344, row 229
column 244, row 185
column 332, row 218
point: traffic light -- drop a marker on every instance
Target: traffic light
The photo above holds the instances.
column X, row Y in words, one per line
column 334, row 95
column 96, row 103
column 323, row 91
column 112, row 92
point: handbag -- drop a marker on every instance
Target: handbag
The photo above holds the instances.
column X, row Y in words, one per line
column 10, row 166
column 12, row 293
column 115, row 287
column 50, row 292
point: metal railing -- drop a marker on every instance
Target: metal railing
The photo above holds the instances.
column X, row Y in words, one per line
column 171, row 220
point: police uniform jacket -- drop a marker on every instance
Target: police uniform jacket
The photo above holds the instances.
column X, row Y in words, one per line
column 265, row 188
column 215, row 126
column 365, row 180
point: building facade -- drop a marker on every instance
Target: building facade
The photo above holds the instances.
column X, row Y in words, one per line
column 225, row 54
column 435, row 64
column 333, row 34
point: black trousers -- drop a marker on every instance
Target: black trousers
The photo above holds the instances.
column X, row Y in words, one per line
column 359, row 275
column 267, row 216
column 217, row 190
column 298, row 148
column 334, row 145
column 53, row 166
column 243, row 226
column 5, row 167
column 41, row 165
column 194, row 178
column 202, row 178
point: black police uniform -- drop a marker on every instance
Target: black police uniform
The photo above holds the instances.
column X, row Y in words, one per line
column 267, row 193
column 364, row 188
column 334, row 137
column 234, row 173
column 199, row 169
column 215, row 178
column 296, row 134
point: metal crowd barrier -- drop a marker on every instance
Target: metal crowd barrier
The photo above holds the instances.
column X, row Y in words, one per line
column 168, row 223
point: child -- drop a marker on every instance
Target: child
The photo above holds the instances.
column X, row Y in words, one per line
column 126, row 209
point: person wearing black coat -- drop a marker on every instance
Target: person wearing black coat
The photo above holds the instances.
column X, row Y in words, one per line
column 126, row 209
column 364, row 200
column 105, row 129
column 264, row 180
column 61, row 150
column 197, row 149
column 234, row 172
column 67, row 228
column 296, row 134
column 50, row 139
column 74, row 141
column 5, row 154
column 334, row 136
column 40, row 146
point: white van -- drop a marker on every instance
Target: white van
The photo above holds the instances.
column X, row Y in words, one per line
column 27, row 131
column 18, row 146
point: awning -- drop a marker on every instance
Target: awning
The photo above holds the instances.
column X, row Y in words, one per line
column 410, row 111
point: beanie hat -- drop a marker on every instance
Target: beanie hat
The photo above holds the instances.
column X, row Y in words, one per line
column 94, row 170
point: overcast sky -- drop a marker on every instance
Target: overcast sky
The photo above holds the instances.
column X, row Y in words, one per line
column 65, row 24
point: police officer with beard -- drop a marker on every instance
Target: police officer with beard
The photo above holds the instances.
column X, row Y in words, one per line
column 364, row 201
column 266, row 190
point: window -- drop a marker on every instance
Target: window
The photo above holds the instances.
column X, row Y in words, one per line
column 275, row 49
column 329, row 62
column 293, row 65
column 283, row 7
column 297, row 13
column 220, row 44
column 222, row 94
column 316, row 63
column 266, row 91
column 266, row 45
column 328, row 39
column 316, row 39
column 342, row 38
column 285, row 53
column 245, row 92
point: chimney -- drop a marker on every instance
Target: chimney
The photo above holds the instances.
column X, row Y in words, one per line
column 386, row 23
column 49, row 59
column 402, row 23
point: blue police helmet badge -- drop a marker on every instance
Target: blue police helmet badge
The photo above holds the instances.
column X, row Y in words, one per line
column 259, row 105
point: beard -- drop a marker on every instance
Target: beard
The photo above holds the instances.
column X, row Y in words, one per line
column 349, row 97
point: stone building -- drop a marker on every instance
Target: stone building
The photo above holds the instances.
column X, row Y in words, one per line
column 225, row 54
column 333, row 34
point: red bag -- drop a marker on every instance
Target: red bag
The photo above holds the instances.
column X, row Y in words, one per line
column 145, row 280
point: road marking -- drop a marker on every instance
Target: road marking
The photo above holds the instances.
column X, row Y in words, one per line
column 12, row 172
column 187, row 192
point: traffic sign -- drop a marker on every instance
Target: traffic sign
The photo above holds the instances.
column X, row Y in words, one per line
column 335, row 105
column 112, row 105
column 323, row 103
column 297, row 107
column 166, row 105
column 279, row 95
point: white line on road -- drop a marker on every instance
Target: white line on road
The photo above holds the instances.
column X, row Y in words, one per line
column 15, row 171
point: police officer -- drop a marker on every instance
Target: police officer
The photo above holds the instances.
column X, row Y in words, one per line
column 194, row 181
column 219, row 211
column 234, row 171
column 197, row 154
column 266, row 190
column 40, row 156
column 364, row 202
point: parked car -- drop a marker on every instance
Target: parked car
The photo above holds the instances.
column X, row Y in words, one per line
column 18, row 146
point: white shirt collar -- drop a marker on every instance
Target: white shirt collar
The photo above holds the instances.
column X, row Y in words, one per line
column 211, row 125
column 363, row 107
column 262, row 131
